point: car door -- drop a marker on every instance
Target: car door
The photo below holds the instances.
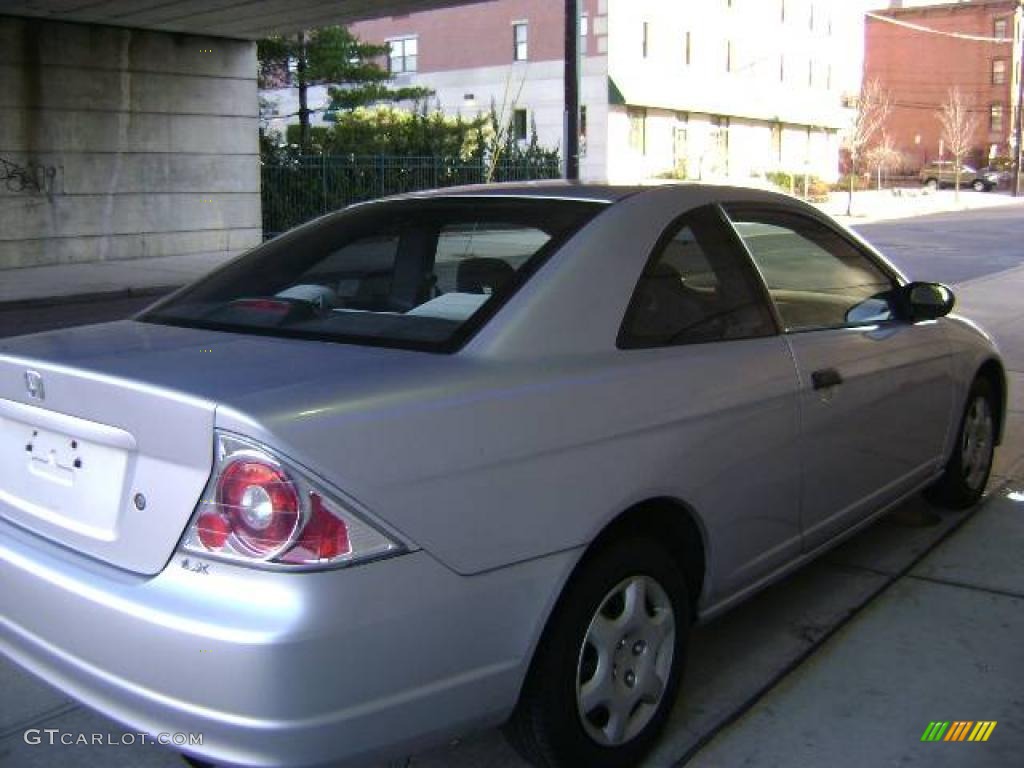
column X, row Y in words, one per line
column 875, row 391
column 708, row 358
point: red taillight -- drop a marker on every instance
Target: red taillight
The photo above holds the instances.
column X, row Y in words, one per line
column 324, row 537
column 213, row 529
column 258, row 508
column 261, row 504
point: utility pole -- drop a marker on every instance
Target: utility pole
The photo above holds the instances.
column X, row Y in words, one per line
column 1018, row 41
column 571, row 120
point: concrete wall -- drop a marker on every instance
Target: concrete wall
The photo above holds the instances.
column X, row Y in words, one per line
column 123, row 144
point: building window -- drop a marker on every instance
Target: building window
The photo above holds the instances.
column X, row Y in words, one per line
column 810, row 73
column 999, row 28
column 584, row 31
column 782, row 14
column 638, row 130
column 995, row 119
column 519, row 41
column 645, row 40
column 810, row 21
column 728, row 55
column 782, row 67
column 519, row 124
column 828, row 78
column 998, row 71
column 403, row 55
column 689, row 47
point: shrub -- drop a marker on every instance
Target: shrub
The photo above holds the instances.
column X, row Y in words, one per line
column 817, row 189
column 861, row 183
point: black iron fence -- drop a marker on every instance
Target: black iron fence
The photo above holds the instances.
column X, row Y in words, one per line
column 297, row 189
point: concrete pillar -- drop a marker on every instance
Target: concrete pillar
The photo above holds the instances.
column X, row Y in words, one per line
column 124, row 144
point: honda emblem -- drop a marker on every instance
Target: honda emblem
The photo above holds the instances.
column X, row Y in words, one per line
column 34, row 385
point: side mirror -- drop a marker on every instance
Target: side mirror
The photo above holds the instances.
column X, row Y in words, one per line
column 927, row 301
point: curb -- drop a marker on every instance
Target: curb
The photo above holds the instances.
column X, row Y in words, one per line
column 93, row 297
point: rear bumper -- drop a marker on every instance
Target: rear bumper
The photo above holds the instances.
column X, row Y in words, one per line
column 278, row 669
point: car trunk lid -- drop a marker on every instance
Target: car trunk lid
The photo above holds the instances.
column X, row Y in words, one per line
column 108, row 466
column 137, row 404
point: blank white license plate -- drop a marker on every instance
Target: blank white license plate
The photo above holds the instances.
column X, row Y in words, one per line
column 71, row 476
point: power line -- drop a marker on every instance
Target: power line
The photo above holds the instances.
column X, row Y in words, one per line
column 941, row 33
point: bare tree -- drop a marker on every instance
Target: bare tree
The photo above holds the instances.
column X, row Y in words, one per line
column 871, row 112
column 883, row 157
column 959, row 124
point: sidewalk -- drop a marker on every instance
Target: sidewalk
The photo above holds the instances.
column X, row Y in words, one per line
column 942, row 644
column 103, row 279
column 887, row 204
column 99, row 279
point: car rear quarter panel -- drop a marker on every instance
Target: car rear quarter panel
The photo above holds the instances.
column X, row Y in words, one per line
column 541, row 432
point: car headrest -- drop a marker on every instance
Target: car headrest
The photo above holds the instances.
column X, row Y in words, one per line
column 483, row 275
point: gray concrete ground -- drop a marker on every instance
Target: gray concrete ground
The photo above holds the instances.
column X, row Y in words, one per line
column 844, row 663
column 942, row 644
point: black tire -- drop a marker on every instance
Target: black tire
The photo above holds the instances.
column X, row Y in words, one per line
column 967, row 471
column 979, row 186
column 547, row 727
column 931, row 183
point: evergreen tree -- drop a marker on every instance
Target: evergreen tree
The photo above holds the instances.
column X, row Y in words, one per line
column 335, row 56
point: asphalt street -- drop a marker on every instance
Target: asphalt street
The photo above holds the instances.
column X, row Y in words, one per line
column 26, row 318
column 952, row 247
column 947, row 247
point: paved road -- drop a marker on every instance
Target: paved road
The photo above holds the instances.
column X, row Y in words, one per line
column 14, row 322
column 952, row 247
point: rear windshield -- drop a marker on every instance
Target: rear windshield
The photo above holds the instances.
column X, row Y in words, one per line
column 420, row 274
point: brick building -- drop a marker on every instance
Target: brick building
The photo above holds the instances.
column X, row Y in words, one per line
column 702, row 89
column 918, row 68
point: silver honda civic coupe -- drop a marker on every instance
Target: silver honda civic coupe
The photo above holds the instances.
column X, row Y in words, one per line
column 465, row 458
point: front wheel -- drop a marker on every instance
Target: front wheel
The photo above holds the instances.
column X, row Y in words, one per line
column 979, row 186
column 609, row 666
column 963, row 481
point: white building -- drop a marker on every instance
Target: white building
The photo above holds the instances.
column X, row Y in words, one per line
column 703, row 89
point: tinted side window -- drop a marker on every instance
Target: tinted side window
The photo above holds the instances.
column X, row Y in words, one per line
column 816, row 278
column 697, row 287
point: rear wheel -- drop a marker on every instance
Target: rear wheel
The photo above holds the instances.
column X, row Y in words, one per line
column 608, row 668
column 979, row 186
column 968, row 469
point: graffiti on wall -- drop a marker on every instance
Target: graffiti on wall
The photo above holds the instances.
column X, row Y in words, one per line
column 31, row 178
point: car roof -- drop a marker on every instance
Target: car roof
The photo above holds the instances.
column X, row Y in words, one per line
column 549, row 188
column 560, row 189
